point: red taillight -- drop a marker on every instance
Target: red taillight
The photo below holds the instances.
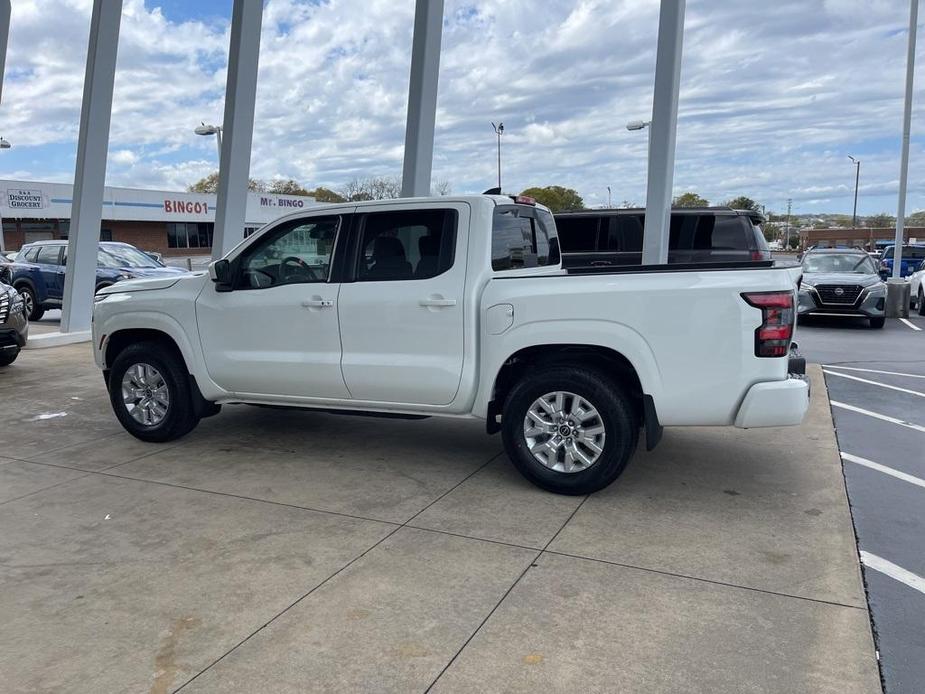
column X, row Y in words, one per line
column 772, row 337
column 524, row 200
column 757, row 255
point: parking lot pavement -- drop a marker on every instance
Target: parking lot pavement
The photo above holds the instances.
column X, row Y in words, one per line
column 295, row 551
column 876, row 382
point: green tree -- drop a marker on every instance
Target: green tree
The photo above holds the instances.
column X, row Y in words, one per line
column 880, row 221
column 556, row 198
column 916, row 219
column 286, row 187
column 744, row 203
column 322, row 194
column 209, row 184
column 772, row 231
column 690, row 199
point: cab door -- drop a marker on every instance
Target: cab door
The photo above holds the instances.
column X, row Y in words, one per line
column 274, row 331
column 51, row 268
column 402, row 315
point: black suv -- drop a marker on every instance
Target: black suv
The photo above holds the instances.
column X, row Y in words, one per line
column 14, row 325
column 613, row 237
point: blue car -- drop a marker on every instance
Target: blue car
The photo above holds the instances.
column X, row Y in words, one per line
column 38, row 271
column 912, row 257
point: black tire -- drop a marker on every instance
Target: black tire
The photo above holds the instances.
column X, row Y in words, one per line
column 877, row 323
column 921, row 302
column 618, row 415
column 180, row 418
column 7, row 357
column 29, row 298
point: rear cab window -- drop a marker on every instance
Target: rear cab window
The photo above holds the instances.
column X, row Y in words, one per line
column 522, row 237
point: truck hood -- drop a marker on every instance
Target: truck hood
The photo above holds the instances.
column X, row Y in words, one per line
column 813, row 278
column 142, row 285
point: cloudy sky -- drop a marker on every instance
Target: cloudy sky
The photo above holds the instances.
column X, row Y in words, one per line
column 774, row 95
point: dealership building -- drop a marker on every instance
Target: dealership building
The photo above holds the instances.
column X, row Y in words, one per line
column 152, row 220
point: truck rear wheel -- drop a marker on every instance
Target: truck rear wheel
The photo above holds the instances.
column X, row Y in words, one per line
column 150, row 393
column 569, row 430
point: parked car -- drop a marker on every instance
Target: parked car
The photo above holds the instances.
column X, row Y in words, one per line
column 458, row 307
column 912, row 257
column 917, row 287
column 38, row 273
column 14, row 325
column 842, row 282
column 613, row 237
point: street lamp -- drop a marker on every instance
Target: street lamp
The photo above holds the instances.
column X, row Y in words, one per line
column 638, row 124
column 211, row 130
column 609, row 203
column 857, row 177
column 4, row 143
column 499, row 131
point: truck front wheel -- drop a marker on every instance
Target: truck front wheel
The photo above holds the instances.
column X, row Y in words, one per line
column 569, row 430
column 150, row 393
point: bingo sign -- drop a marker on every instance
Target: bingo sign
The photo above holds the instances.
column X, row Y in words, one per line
column 21, row 199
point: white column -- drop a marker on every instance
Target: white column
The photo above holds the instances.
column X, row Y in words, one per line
column 422, row 98
column 5, row 11
column 907, row 127
column 662, row 132
column 90, row 173
column 238, row 125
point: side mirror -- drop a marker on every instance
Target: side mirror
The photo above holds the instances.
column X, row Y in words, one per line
column 220, row 272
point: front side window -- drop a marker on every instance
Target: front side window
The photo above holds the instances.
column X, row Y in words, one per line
column 406, row 245
column 297, row 252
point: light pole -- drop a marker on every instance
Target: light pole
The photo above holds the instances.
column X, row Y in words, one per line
column 499, row 131
column 609, row 205
column 4, row 144
column 212, row 130
column 857, row 178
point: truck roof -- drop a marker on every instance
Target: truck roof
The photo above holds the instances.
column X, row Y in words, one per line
column 719, row 209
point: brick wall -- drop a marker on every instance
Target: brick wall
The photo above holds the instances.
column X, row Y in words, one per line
column 864, row 237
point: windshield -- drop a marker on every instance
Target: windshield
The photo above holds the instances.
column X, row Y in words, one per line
column 839, row 262
column 124, row 256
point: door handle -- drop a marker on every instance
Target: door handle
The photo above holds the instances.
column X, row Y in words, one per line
column 318, row 303
column 438, row 303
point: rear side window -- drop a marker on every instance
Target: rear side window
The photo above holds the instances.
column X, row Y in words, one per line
column 519, row 240
column 49, row 255
column 579, row 234
column 412, row 245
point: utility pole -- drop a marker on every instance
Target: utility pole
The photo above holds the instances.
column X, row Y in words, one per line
column 789, row 206
column 857, row 178
column 499, row 131
column 609, row 205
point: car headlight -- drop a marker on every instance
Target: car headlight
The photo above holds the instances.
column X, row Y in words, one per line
column 126, row 276
column 17, row 304
column 879, row 288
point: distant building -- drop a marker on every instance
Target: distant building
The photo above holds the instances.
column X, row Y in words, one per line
column 153, row 220
column 866, row 238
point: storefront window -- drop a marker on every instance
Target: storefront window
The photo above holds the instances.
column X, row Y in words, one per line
column 189, row 235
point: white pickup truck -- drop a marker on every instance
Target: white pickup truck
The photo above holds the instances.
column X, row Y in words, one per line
column 456, row 307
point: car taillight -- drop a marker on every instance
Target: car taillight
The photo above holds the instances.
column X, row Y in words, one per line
column 757, row 255
column 772, row 337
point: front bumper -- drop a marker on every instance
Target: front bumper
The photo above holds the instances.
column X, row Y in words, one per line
column 870, row 304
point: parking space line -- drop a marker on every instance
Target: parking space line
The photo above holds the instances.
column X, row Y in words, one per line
column 877, row 415
column 875, row 383
column 911, row 479
column 871, row 371
column 911, row 324
column 897, row 573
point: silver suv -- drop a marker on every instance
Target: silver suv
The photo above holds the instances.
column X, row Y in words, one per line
column 842, row 282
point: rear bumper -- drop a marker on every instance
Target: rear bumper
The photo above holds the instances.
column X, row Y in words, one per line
column 775, row 403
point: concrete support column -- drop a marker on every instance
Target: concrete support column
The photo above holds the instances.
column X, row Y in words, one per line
column 90, row 173
column 5, row 11
column 662, row 132
column 238, row 126
column 422, row 98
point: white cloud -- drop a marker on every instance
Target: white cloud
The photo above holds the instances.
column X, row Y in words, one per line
column 774, row 95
